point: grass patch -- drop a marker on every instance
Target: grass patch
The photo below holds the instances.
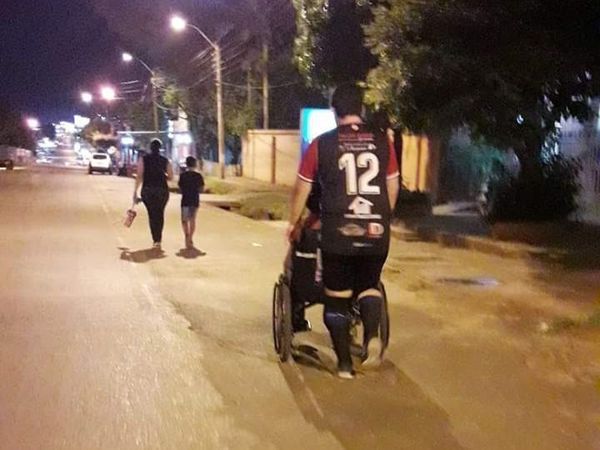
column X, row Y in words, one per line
column 266, row 206
column 587, row 322
column 213, row 185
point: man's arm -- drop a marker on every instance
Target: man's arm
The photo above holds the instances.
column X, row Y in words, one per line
column 169, row 171
column 306, row 176
column 298, row 199
column 393, row 188
column 139, row 177
column 393, row 176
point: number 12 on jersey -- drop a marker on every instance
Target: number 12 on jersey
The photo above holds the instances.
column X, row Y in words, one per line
column 355, row 184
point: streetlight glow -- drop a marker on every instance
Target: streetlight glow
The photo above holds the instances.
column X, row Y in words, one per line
column 32, row 123
column 178, row 23
column 127, row 57
column 108, row 93
column 86, row 97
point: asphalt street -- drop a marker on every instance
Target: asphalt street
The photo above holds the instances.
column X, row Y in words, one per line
column 107, row 344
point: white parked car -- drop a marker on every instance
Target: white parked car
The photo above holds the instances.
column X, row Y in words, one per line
column 100, row 162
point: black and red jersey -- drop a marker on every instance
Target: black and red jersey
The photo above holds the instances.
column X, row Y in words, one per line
column 352, row 165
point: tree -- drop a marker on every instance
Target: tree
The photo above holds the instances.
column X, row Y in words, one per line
column 99, row 132
column 13, row 131
column 329, row 45
column 508, row 70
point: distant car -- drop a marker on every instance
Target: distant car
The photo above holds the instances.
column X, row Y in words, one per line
column 100, row 162
column 7, row 163
column 11, row 157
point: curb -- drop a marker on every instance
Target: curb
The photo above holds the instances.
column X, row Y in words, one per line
column 480, row 244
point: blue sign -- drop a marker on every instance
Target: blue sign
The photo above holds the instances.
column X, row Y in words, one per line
column 313, row 123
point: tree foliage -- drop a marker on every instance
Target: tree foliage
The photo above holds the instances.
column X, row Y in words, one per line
column 13, row 131
column 329, row 45
column 509, row 70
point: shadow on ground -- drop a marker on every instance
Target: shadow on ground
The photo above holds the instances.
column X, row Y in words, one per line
column 383, row 409
column 190, row 253
column 141, row 256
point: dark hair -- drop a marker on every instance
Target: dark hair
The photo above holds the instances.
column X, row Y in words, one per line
column 155, row 146
column 347, row 100
column 190, row 161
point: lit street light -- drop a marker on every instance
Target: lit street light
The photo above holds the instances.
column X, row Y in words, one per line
column 108, row 93
column 32, row 123
column 87, row 97
column 127, row 58
column 179, row 24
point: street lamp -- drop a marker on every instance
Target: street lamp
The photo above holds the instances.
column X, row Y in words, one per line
column 32, row 123
column 108, row 94
column 127, row 58
column 87, row 97
column 179, row 24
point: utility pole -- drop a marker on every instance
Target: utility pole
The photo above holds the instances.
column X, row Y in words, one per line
column 265, row 80
column 220, row 124
column 154, row 106
column 179, row 24
column 249, row 87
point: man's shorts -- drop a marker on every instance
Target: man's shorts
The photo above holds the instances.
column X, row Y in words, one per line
column 356, row 272
column 188, row 212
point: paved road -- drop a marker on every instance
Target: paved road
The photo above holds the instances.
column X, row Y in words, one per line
column 107, row 345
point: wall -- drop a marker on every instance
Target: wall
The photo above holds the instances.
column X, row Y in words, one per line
column 421, row 157
column 258, row 160
column 583, row 141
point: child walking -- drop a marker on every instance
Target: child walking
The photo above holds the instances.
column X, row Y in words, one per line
column 191, row 184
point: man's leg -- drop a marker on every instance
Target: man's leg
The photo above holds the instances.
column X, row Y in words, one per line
column 336, row 315
column 336, row 312
column 185, row 228
column 370, row 302
column 192, row 226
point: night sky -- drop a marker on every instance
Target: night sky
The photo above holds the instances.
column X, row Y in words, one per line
column 49, row 51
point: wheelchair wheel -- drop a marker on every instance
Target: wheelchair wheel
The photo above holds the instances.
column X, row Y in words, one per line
column 282, row 319
column 384, row 325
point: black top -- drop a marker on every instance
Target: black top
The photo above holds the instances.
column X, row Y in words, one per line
column 155, row 172
column 355, row 209
column 191, row 184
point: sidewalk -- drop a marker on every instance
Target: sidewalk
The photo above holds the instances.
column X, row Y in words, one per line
column 451, row 225
column 462, row 230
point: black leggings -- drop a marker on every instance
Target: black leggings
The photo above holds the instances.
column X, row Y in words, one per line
column 155, row 201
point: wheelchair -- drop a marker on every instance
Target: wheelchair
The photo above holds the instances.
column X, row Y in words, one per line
column 284, row 304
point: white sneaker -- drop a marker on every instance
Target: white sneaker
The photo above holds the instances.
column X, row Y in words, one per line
column 346, row 374
column 374, row 354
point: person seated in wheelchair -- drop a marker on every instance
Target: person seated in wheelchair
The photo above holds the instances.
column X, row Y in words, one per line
column 302, row 264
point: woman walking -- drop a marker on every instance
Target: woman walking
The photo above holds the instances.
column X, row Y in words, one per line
column 153, row 171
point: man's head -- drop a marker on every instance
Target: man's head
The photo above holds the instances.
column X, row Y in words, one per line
column 347, row 100
column 191, row 162
column 155, row 146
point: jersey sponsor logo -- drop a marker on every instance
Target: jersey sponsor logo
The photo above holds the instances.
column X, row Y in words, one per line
column 361, row 209
column 375, row 229
column 352, row 230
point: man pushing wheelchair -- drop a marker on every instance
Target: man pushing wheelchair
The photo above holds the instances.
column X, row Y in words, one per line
column 356, row 171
